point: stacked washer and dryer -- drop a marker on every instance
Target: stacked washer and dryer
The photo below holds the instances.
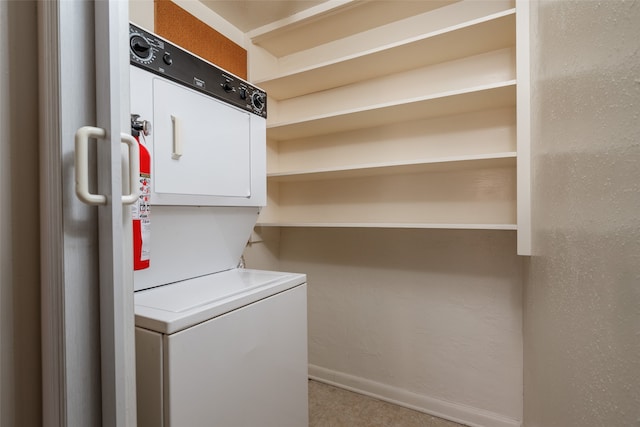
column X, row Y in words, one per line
column 216, row 345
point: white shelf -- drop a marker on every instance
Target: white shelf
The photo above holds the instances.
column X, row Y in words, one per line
column 334, row 20
column 489, row 96
column 482, row 161
column 471, row 196
column 394, row 115
column 485, row 34
column 390, row 225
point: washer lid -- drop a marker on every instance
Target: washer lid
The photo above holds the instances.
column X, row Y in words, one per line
column 171, row 308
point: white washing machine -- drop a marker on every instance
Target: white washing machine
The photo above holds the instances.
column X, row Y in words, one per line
column 216, row 345
column 227, row 349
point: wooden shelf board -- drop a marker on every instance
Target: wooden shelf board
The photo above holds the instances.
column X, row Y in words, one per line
column 493, row 160
column 489, row 96
column 301, row 191
column 390, row 225
column 332, row 21
column 492, row 32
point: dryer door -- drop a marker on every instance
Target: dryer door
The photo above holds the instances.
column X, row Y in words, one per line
column 202, row 147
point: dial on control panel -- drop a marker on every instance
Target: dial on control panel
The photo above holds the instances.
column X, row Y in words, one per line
column 227, row 86
column 257, row 99
column 140, row 47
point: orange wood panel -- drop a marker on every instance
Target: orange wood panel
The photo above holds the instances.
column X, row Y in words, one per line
column 180, row 27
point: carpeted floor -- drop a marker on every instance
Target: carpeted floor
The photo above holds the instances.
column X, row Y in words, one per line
column 335, row 407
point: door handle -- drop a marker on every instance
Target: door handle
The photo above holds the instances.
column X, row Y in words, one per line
column 82, row 137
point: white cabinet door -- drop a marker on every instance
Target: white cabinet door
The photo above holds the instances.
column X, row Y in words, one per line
column 214, row 140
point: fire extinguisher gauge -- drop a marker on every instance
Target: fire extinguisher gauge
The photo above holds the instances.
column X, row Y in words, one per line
column 140, row 126
column 146, row 127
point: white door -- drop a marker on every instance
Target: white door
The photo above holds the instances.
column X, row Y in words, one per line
column 87, row 289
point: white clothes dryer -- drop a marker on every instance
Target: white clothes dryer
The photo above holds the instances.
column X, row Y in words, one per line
column 216, row 345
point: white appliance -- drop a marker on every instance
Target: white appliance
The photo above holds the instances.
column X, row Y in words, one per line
column 216, row 345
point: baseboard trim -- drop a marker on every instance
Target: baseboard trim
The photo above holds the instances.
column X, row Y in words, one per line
column 456, row 412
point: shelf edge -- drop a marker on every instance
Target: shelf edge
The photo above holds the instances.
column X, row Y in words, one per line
column 506, row 227
column 479, row 158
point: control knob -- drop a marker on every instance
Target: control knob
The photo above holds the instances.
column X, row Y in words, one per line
column 226, row 86
column 140, row 47
column 258, row 100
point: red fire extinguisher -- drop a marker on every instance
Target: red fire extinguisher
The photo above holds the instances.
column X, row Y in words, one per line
column 141, row 210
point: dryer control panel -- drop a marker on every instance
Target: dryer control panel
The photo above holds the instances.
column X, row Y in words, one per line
column 154, row 54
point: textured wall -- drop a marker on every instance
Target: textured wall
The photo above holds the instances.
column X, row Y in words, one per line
column 582, row 299
column 20, row 382
column 430, row 314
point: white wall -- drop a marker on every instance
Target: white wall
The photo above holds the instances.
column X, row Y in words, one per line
column 141, row 13
column 582, row 297
column 20, row 378
column 429, row 318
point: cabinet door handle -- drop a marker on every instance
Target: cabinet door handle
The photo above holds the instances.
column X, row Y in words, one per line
column 177, row 140
column 82, row 137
